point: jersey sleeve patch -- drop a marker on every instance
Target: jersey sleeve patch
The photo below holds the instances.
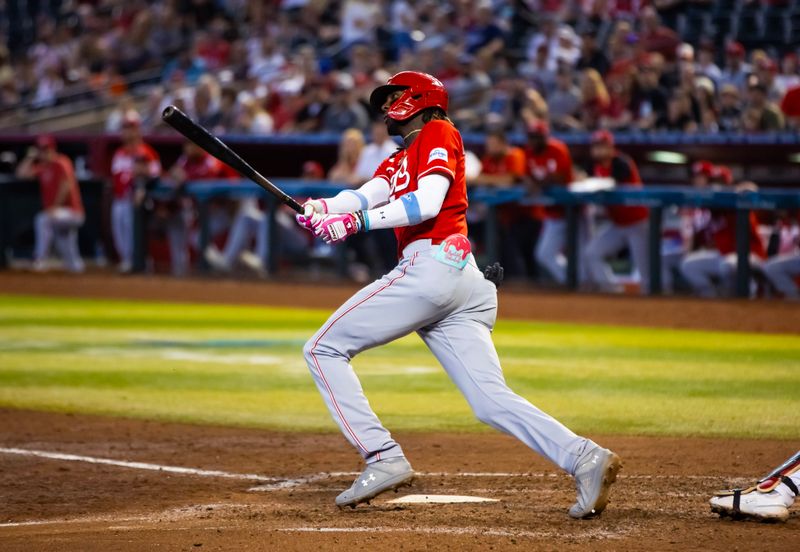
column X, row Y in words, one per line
column 438, row 153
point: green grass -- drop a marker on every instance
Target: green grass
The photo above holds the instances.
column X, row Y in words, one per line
column 243, row 366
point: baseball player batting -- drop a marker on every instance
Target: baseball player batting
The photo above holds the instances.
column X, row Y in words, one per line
column 436, row 290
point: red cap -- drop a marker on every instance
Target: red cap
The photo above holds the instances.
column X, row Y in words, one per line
column 313, row 169
column 539, row 126
column 602, row 137
column 723, row 174
column 703, row 167
column 768, row 64
column 45, row 141
column 735, row 49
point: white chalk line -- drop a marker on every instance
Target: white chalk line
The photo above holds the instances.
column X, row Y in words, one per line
column 476, row 531
column 283, row 484
column 137, row 465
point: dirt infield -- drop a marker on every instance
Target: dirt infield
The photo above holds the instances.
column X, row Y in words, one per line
column 515, row 301
column 659, row 502
column 118, row 490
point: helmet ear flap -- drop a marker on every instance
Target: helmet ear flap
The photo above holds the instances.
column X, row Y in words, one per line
column 420, row 92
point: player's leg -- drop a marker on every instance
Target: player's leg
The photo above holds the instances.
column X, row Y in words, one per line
column 384, row 310
column 636, row 236
column 43, row 233
column 700, row 268
column 66, row 224
column 389, row 308
column 548, row 249
column 122, row 232
column 782, row 271
column 177, row 236
column 462, row 343
column 609, row 241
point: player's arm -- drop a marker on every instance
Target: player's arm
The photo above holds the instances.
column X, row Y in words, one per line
column 411, row 208
column 27, row 167
column 371, row 194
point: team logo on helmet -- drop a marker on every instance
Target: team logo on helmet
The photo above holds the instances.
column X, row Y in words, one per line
column 420, row 91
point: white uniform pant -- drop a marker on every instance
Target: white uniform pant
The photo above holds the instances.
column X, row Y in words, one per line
column 453, row 311
column 781, row 271
column 122, row 229
column 250, row 222
column 178, row 239
column 551, row 245
column 60, row 224
column 710, row 273
column 609, row 241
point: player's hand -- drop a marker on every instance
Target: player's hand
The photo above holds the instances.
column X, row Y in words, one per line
column 494, row 273
column 311, row 208
column 335, row 228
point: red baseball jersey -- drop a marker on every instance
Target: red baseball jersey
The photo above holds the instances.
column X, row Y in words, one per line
column 513, row 163
column 623, row 170
column 722, row 229
column 552, row 166
column 438, row 149
column 122, row 167
column 51, row 175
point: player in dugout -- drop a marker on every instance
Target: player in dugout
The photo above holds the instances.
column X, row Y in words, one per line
column 62, row 209
column 437, row 291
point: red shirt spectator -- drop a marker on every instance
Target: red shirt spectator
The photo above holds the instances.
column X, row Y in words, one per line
column 57, row 183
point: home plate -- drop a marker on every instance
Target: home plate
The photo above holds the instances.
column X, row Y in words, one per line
column 439, row 499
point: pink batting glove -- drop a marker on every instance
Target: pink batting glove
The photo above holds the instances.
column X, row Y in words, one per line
column 335, row 228
column 311, row 207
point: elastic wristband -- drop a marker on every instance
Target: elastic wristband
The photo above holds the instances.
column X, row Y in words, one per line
column 363, row 221
column 324, row 206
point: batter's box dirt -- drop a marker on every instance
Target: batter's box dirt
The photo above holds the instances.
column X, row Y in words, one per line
column 658, row 503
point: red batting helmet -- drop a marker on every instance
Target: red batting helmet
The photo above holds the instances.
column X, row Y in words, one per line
column 703, row 168
column 421, row 91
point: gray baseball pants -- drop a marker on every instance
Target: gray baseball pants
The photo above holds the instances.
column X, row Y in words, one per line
column 454, row 312
column 781, row 272
column 611, row 240
column 60, row 224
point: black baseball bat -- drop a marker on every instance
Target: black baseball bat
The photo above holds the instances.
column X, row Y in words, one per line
column 178, row 120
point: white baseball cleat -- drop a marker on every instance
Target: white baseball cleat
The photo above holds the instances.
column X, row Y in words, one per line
column 253, row 262
column 597, row 470
column 751, row 504
column 215, row 259
column 377, row 478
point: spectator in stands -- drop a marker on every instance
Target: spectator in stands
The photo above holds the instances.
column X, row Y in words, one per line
column 736, row 70
column 655, row 37
column 62, row 209
column 228, row 110
column 703, row 95
column 729, row 117
column 711, row 270
column 252, row 117
column 705, row 64
column 207, row 101
column 344, row 111
column 592, row 56
column 565, row 101
column 595, row 99
column 549, row 163
column 373, row 154
column 627, row 225
column 760, row 113
column 679, row 116
column 789, row 76
column 350, row 147
column 133, row 165
column 483, row 36
column 649, row 98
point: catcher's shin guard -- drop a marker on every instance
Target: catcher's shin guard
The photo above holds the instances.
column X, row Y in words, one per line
column 781, row 475
column 760, row 501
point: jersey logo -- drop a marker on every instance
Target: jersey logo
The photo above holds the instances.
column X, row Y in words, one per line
column 400, row 180
column 437, row 153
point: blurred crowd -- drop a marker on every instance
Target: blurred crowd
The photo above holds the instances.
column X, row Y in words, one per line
column 307, row 66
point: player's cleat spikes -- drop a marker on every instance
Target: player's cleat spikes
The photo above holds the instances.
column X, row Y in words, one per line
column 377, row 478
column 597, row 470
column 751, row 504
